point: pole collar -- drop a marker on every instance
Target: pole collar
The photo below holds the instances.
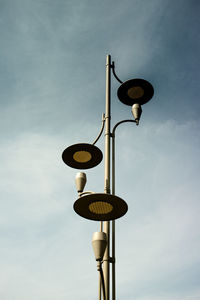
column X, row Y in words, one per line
column 110, row 260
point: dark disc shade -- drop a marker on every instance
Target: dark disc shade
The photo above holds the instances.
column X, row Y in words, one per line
column 135, row 91
column 100, row 207
column 82, row 156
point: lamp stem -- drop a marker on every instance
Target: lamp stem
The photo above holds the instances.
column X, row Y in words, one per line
column 101, row 229
column 106, row 268
column 113, row 193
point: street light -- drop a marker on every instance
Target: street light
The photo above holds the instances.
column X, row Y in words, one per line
column 105, row 207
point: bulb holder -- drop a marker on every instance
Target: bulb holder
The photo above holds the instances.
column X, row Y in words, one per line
column 137, row 111
column 99, row 243
column 80, row 181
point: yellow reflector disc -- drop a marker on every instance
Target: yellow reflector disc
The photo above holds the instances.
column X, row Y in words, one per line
column 135, row 92
column 82, row 156
column 100, row 207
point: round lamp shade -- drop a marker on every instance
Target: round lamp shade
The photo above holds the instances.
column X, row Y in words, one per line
column 82, row 156
column 135, row 91
column 100, row 207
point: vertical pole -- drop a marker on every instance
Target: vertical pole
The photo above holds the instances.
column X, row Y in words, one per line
column 113, row 222
column 101, row 229
column 106, row 268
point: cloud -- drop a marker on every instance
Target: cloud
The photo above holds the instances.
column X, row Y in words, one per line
column 52, row 95
column 31, row 166
column 160, row 235
column 38, row 243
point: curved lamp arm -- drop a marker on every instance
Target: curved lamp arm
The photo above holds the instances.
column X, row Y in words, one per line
column 113, row 70
column 116, row 125
column 101, row 131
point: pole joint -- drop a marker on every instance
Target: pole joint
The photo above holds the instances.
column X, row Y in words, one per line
column 111, row 260
column 107, row 190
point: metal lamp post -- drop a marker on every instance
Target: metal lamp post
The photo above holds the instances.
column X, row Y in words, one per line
column 106, row 207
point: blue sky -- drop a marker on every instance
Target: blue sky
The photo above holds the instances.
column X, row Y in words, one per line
column 52, row 77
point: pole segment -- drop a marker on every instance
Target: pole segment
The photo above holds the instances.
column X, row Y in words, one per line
column 100, row 285
column 107, row 173
column 113, row 222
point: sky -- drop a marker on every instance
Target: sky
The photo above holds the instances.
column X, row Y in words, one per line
column 52, row 95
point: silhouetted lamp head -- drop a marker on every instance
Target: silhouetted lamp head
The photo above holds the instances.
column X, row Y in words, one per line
column 135, row 91
column 82, row 156
column 100, row 207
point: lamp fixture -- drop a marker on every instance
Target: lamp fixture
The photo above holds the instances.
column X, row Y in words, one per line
column 135, row 91
column 100, row 207
column 82, row 156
